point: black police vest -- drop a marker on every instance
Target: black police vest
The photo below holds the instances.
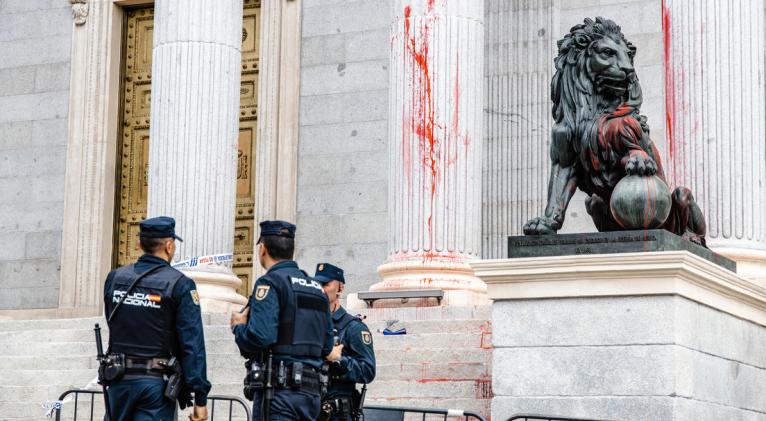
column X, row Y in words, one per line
column 303, row 323
column 144, row 326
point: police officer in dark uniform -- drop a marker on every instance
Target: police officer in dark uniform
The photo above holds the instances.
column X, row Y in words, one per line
column 357, row 363
column 284, row 333
column 155, row 330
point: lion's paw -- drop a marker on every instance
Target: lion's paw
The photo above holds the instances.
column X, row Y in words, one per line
column 541, row 226
column 640, row 164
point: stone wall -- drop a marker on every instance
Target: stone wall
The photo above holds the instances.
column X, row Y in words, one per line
column 35, row 41
column 342, row 184
column 651, row 357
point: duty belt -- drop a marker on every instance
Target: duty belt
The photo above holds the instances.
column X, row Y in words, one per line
column 284, row 375
column 142, row 367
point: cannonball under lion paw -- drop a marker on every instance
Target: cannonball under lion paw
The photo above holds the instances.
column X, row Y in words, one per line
column 640, row 202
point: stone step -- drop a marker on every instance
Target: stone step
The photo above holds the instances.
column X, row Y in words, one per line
column 426, row 341
column 431, row 371
column 425, row 355
column 49, row 349
column 409, row 314
column 431, row 340
column 436, row 326
column 59, row 362
column 412, row 315
column 479, row 406
column 51, row 324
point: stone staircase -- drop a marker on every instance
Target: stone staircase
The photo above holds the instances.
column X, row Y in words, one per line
column 443, row 361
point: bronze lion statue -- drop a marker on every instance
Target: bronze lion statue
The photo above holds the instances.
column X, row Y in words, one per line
column 599, row 135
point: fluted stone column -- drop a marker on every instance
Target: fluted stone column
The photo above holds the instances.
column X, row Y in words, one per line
column 714, row 70
column 193, row 147
column 435, row 146
column 521, row 44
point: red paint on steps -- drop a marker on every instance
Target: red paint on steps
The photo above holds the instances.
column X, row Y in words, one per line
column 486, row 335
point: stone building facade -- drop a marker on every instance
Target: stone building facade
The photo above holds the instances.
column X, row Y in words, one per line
column 407, row 139
column 317, row 101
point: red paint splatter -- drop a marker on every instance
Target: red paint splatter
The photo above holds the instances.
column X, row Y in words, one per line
column 422, row 121
column 670, row 97
column 486, row 335
column 434, row 154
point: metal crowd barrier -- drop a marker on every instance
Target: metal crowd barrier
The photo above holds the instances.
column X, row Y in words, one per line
column 530, row 417
column 394, row 413
column 229, row 402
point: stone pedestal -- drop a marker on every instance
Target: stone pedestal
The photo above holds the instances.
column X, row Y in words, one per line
column 715, row 113
column 435, row 122
column 658, row 335
column 193, row 146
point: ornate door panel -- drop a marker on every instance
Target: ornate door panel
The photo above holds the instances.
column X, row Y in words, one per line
column 133, row 159
column 244, row 227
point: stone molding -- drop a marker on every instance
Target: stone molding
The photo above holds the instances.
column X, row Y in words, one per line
column 86, row 249
column 629, row 274
column 79, row 11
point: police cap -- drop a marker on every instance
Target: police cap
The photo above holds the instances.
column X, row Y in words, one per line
column 159, row 227
column 326, row 273
column 277, row 228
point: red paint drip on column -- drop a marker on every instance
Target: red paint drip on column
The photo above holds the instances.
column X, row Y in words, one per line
column 670, row 97
column 422, row 120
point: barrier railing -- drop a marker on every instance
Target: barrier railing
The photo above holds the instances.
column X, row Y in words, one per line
column 214, row 406
column 394, row 413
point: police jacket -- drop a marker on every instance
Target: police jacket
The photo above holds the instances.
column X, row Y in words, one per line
column 159, row 318
column 290, row 315
column 357, row 363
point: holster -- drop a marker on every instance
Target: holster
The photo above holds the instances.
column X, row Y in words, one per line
column 255, row 379
column 174, row 389
column 341, row 407
column 111, row 369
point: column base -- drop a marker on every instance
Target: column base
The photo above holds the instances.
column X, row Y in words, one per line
column 217, row 290
column 751, row 263
column 461, row 287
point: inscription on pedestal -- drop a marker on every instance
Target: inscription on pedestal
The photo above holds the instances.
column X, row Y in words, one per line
column 609, row 243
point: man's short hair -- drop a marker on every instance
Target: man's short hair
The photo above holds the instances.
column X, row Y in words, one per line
column 279, row 248
column 151, row 245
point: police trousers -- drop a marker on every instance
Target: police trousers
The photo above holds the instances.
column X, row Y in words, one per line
column 289, row 405
column 140, row 399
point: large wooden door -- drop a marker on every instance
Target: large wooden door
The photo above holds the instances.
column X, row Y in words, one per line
column 133, row 159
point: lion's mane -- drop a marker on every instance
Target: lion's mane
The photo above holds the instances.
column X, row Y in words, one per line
column 577, row 107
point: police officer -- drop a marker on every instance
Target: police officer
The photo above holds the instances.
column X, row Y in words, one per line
column 357, row 362
column 153, row 315
column 285, row 332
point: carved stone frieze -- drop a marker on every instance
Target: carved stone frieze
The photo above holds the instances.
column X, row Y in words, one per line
column 79, row 11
